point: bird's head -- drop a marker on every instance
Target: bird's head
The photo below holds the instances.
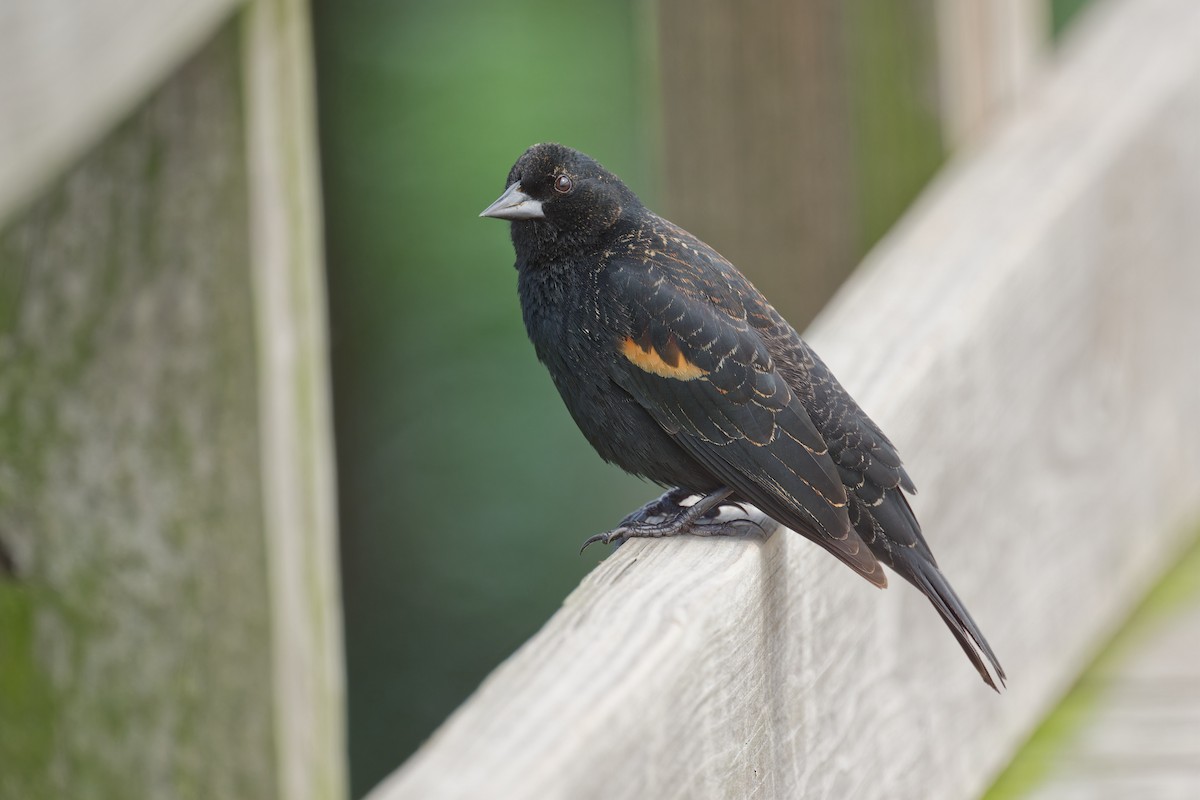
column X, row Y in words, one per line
column 559, row 199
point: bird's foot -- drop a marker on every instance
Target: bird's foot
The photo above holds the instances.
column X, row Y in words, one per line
column 668, row 516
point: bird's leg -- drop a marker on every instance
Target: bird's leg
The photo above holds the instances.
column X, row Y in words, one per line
column 666, row 506
column 673, row 519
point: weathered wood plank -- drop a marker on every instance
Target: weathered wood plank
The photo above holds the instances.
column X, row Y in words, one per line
column 1025, row 336
column 990, row 52
column 69, row 72
column 795, row 131
column 838, row 113
column 1134, row 728
column 294, row 403
column 130, row 496
column 166, row 496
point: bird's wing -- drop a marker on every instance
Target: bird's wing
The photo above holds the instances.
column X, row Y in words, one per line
column 866, row 460
column 686, row 353
column 860, row 449
column 874, row 477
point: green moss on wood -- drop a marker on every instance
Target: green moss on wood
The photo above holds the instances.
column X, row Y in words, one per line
column 27, row 703
column 134, row 648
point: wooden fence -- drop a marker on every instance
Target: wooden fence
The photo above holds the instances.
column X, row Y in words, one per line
column 1026, row 335
column 796, row 133
column 171, row 626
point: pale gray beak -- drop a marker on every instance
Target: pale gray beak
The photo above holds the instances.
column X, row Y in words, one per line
column 514, row 204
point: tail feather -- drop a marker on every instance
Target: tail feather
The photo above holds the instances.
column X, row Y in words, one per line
column 930, row 580
column 894, row 536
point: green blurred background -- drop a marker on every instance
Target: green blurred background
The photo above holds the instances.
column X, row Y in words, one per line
column 464, row 487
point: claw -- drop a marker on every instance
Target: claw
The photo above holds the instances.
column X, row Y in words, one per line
column 606, row 537
column 701, row 518
column 591, row 540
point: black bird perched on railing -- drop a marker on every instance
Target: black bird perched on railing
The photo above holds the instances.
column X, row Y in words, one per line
column 678, row 370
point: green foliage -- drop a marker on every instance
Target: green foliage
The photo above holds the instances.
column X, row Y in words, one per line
column 891, row 57
column 1063, row 13
column 465, row 488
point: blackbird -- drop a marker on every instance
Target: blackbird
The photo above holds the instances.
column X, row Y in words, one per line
column 677, row 369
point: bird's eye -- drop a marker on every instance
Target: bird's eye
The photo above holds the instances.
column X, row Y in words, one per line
column 562, row 184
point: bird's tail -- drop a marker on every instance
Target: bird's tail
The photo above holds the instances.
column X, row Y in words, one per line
column 930, row 580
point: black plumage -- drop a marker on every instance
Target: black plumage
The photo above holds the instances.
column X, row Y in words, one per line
column 677, row 369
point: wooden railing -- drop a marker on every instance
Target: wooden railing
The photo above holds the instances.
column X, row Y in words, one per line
column 169, row 622
column 1027, row 336
column 168, row 595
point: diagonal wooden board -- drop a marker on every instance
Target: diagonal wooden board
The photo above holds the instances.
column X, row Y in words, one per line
column 1026, row 336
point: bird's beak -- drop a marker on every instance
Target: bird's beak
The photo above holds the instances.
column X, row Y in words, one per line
column 514, row 204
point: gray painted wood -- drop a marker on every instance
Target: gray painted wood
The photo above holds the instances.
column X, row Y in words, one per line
column 1026, row 337
column 171, row 628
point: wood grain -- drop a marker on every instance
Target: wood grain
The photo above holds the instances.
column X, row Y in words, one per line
column 1026, row 336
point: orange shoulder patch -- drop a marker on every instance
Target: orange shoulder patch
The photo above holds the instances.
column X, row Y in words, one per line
column 670, row 363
